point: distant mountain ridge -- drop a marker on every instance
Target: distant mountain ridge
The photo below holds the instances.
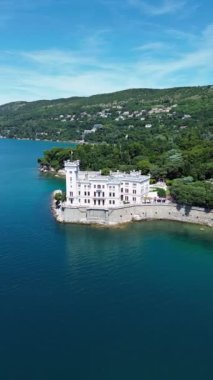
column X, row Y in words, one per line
column 118, row 96
column 50, row 119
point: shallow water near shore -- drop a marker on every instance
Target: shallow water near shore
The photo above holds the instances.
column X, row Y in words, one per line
column 84, row 302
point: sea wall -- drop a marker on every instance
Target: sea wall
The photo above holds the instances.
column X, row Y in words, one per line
column 163, row 212
column 127, row 214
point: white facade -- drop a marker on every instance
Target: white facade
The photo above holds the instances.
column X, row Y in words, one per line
column 93, row 190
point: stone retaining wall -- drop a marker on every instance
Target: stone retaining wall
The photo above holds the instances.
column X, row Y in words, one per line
column 166, row 212
column 128, row 213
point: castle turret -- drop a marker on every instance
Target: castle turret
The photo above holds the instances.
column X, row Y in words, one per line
column 71, row 169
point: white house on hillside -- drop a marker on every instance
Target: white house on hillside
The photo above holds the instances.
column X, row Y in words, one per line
column 93, row 190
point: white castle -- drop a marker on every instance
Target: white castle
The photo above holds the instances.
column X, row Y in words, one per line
column 92, row 190
column 117, row 198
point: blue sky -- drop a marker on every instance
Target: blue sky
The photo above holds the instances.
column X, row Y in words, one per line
column 61, row 48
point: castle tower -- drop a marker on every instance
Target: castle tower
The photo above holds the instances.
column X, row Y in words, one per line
column 71, row 169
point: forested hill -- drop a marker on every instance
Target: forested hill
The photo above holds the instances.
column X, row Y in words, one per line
column 121, row 115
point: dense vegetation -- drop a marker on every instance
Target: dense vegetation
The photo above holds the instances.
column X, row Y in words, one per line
column 168, row 133
column 193, row 194
column 195, row 162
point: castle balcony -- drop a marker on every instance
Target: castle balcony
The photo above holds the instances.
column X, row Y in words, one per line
column 99, row 194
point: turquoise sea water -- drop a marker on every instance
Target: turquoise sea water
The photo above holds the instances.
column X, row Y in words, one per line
column 79, row 302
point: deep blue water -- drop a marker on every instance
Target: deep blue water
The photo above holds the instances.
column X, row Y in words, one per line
column 79, row 302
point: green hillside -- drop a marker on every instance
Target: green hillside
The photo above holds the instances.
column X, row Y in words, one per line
column 67, row 119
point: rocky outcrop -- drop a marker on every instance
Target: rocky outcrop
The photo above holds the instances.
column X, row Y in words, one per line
column 49, row 170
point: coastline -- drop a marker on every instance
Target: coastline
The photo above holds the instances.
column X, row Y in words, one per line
column 46, row 140
column 119, row 216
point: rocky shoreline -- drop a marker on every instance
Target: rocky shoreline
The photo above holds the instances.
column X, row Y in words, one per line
column 52, row 171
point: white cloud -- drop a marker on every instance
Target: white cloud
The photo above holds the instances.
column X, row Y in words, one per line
column 165, row 7
column 55, row 57
column 207, row 35
column 151, row 46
